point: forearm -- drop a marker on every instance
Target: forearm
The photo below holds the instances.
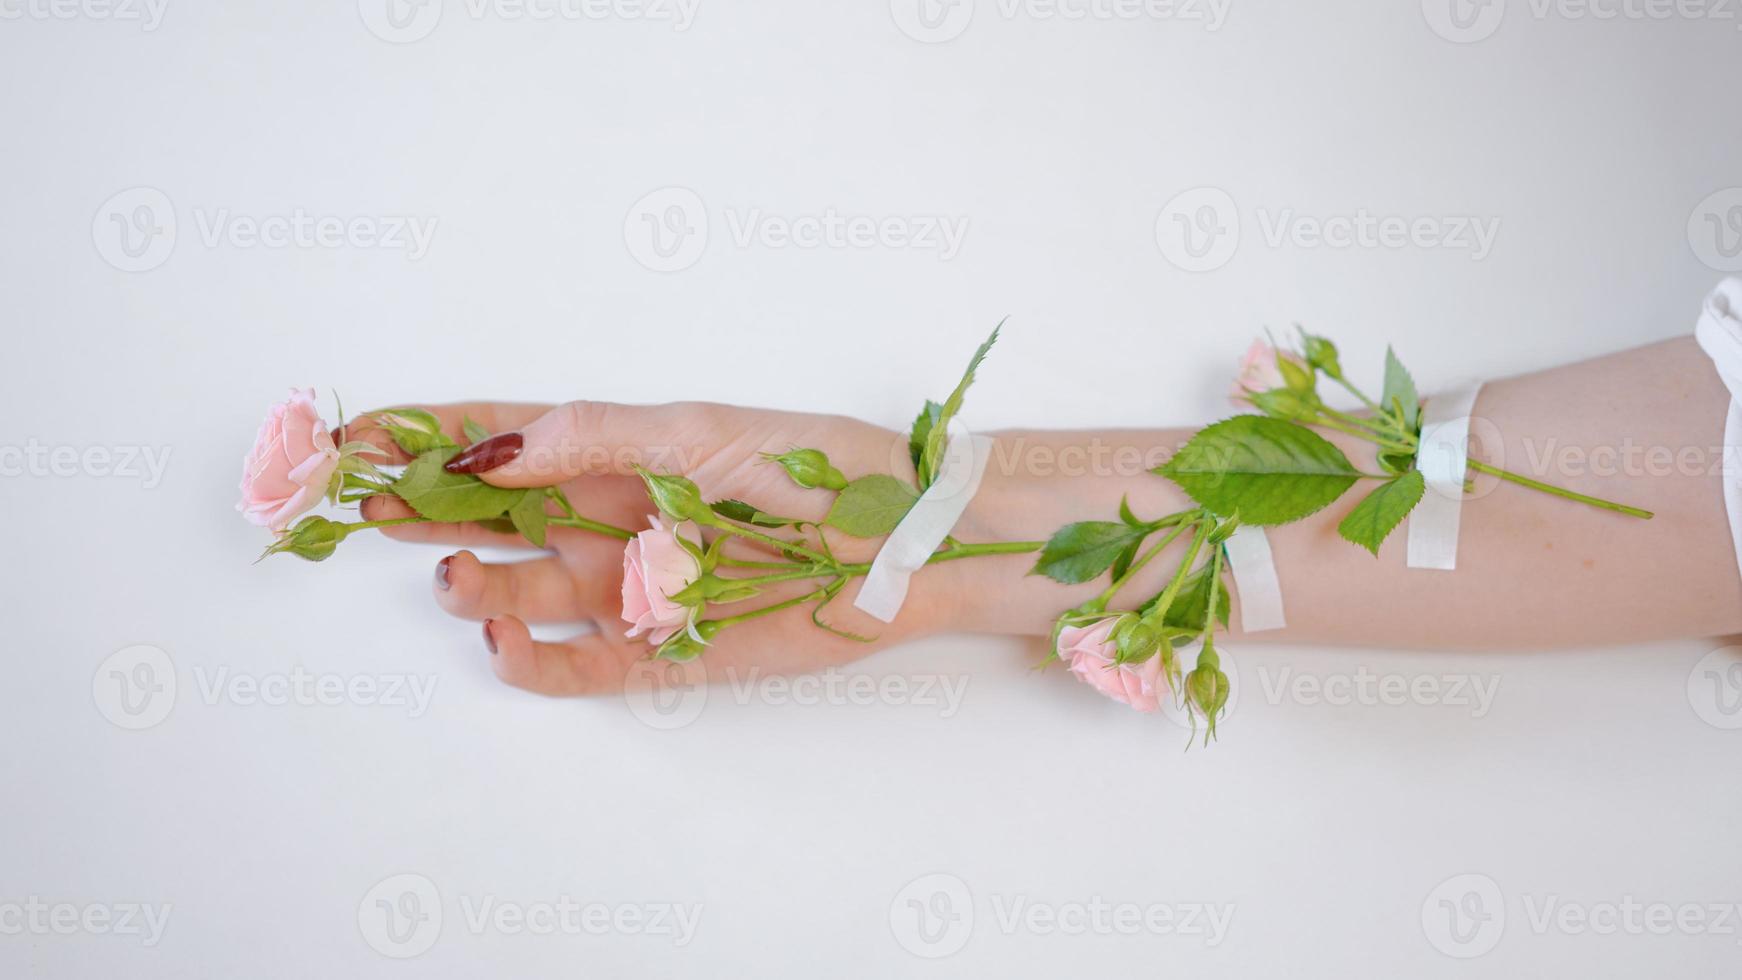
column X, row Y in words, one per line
column 1643, row 427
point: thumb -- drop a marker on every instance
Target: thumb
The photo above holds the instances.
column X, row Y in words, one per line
column 580, row 438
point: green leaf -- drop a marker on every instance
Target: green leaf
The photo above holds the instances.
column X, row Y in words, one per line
column 938, row 432
column 1400, row 389
column 474, row 432
column 1126, row 515
column 1191, row 607
column 529, row 517
column 442, row 496
column 1122, row 564
column 1079, row 552
column 1262, row 470
column 922, row 426
column 871, row 506
column 743, row 513
column 1396, row 463
column 1375, row 517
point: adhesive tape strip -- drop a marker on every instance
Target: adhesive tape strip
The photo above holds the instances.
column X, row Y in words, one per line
column 913, row 541
column 1442, row 456
column 1254, row 569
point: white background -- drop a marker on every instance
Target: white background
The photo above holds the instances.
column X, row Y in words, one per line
column 1595, row 777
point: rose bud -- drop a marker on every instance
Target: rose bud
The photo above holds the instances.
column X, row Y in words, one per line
column 1264, row 368
column 314, row 538
column 809, row 468
column 677, row 497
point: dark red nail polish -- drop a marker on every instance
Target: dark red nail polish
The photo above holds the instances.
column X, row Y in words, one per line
column 487, row 455
column 442, row 572
column 489, row 641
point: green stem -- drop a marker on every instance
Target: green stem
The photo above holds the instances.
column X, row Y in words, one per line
column 1387, row 429
column 587, row 524
column 774, row 542
column 1366, row 434
column 1525, row 481
column 392, row 522
column 808, row 571
column 1215, row 595
column 731, row 562
column 1165, row 599
column 1137, row 566
column 990, row 548
column 774, row 608
column 1358, row 393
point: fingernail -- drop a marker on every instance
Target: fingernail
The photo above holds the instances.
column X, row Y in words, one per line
column 442, row 572
column 487, row 455
column 489, row 641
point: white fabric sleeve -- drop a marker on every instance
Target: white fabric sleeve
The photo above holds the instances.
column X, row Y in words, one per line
column 1719, row 332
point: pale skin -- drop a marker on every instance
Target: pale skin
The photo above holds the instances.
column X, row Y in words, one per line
column 1643, row 427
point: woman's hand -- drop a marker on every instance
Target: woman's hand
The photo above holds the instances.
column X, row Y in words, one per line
column 591, row 450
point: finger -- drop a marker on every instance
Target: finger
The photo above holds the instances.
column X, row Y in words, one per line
column 587, row 664
column 493, row 416
column 592, row 439
column 542, row 590
column 387, row 508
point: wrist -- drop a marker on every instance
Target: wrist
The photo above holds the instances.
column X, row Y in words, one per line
column 1036, row 482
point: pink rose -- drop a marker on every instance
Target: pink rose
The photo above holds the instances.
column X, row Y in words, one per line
column 1089, row 653
column 1259, row 371
column 292, row 463
column 655, row 568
